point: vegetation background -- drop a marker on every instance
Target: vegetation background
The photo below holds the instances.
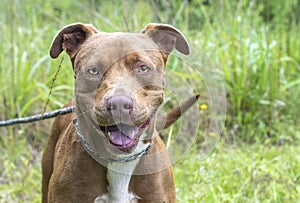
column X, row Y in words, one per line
column 255, row 44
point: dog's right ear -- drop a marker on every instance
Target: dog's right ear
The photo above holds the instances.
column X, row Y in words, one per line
column 70, row 38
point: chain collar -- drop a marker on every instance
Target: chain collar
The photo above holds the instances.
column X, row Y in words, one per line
column 91, row 151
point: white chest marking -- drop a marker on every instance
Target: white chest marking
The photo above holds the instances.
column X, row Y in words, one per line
column 118, row 176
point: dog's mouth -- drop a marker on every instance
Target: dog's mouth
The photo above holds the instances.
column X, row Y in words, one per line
column 124, row 137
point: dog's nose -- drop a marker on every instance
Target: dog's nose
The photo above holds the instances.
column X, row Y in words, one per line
column 119, row 103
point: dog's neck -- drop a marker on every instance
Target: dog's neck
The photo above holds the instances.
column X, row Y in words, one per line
column 118, row 177
column 119, row 172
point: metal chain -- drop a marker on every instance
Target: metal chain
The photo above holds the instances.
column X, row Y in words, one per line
column 52, row 85
column 39, row 117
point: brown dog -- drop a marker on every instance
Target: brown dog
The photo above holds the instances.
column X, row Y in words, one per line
column 109, row 150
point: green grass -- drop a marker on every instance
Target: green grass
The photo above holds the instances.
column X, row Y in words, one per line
column 20, row 172
column 240, row 174
column 254, row 53
column 253, row 44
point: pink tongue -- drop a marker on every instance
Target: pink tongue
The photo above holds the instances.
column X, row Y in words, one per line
column 118, row 138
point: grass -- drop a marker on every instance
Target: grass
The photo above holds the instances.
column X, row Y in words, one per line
column 240, row 174
column 20, row 172
column 254, row 46
column 253, row 53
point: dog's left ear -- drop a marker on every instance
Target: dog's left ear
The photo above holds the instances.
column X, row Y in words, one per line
column 167, row 37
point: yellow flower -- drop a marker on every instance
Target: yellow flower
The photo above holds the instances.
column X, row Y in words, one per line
column 212, row 134
column 203, row 106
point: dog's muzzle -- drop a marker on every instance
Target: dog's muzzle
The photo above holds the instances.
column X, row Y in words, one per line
column 122, row 133
column 98, row 156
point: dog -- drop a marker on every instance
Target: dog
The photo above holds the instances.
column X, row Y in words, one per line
column 109, row 150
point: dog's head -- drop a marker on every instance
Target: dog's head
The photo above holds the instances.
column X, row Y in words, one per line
column 119, row 80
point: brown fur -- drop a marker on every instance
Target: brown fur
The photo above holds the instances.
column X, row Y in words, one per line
column 70, row 174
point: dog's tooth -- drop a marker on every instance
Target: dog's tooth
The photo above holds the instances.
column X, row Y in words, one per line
column 108, row 133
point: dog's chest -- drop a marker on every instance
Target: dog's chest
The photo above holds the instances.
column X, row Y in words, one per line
column 118, row 176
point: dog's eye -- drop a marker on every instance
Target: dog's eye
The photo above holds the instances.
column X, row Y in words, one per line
column 143, row 69
column 93, row 71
